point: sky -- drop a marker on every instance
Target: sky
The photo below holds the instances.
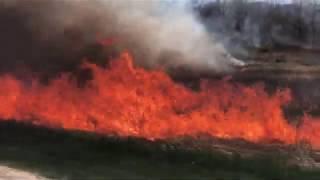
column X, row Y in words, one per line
column 279, row 1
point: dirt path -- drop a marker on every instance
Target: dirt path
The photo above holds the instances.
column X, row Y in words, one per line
column 7, row 173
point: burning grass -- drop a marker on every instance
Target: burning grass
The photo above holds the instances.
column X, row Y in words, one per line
column 147, row 113
column 132, row 102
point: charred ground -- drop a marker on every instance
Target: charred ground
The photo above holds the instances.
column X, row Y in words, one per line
column 73, row 155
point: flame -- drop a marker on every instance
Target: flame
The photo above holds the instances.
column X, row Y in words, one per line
column 130, row 101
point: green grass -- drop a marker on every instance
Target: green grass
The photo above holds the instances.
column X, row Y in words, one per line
column 76, row 155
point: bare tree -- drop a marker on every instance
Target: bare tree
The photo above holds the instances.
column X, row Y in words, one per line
column 237, row 12
column 314, row 14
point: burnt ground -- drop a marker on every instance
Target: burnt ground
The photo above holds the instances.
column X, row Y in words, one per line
column 292, row 55
column 57, row 154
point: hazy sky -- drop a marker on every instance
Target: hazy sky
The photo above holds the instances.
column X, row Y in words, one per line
column 280, row 1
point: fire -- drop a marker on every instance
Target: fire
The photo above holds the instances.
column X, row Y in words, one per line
column 130, row 101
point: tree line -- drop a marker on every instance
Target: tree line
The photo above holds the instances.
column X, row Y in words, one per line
column 266, row 24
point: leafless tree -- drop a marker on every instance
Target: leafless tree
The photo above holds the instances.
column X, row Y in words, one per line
column 314, row 15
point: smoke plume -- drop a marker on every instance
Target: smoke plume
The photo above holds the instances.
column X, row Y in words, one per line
column 52, row 36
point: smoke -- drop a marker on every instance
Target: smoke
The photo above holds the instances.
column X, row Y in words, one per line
column 54, row 35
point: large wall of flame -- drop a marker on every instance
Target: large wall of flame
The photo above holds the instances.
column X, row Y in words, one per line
column 128, row 101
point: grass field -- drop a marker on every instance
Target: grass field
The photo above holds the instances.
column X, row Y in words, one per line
column 57, row 154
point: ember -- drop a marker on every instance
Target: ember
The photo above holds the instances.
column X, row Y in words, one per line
column 130, row 101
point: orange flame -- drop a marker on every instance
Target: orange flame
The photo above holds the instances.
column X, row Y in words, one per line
column 130, row 101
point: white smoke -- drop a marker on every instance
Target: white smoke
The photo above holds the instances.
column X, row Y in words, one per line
column 170, row 26
column 166, row 32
